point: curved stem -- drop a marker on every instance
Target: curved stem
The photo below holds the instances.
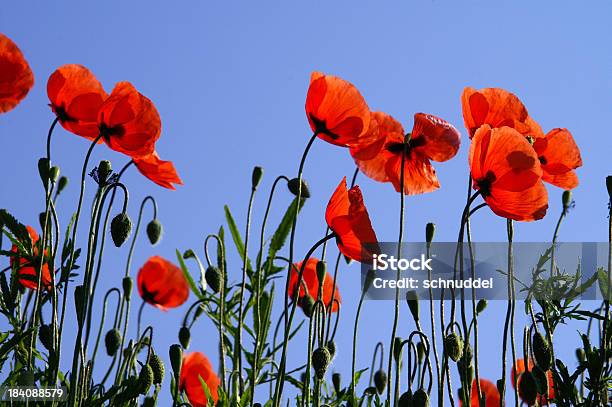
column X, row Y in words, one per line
column 354, row 357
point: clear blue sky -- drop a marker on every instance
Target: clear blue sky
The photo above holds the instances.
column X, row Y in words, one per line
column 230, row 79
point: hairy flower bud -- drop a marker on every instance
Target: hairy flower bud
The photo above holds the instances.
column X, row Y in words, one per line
column 61, row 184
column 184, row 337
column 405, row 399
column 159, row 369
column 256, row 177
column 154, row 231
column 294, row 188
column 430, row 231
column 320, row 361
column 566, row 199
column 121, row 227
column 321, row 270
column 412, row 298
column 580, row 355
column 528, row 388
column 337, row 382
column 213, row 278
column 307, row 304
column 331, row 348
column 397, row 348
column 420, row 398
column 54, row 173
column 541, row 351
column 103, row 171
column 127, row 287
column 453, row 344
column 481, row 306
column 380, row 380
column 112, row 340
column 45, row 336
column 43, row 170
column 176, row 358
column 145, row 379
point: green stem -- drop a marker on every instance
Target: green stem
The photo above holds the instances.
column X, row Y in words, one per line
column 354, row 357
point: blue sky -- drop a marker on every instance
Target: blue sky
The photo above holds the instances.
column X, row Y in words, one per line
column 230, row 78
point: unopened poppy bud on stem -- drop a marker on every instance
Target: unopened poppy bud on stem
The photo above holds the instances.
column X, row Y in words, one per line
column 112, row 340
column 145, row 379
column 103, row 171
column 79, row 303
column 256, row 177
column 43, row 169
column 188, row 254
column 405, row 399
column 412, row 298
column 320, row 361
column 176, row 358
column 541, row 351
column 430, row 231
column 566, row 199
column 54, row 173
column 121, row 227
column 380, row 380
column 454, row 346
column 481, row 306
column 307, row 304
column 420, row 398
column 61, row 184
column 294, row 188
column 159, row 369
column 331, row 348
column 154, row 231
column 337, row 382
column 213, row 278
column 184, row 337
column 127, row 287
column 321, row 270
column 397, row 348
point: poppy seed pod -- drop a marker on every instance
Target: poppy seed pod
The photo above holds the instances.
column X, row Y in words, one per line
column 45, row 336
column 412, row 298
column 256, row 177
column 337, row 382
column 294, row 188
column 380, row 380
column 331, row 348
column 121, row 227
column 213, row 278
column 184, row 337
column 453, row 344
column 609, row 185
column 154, row 231
column 541, row 351
column 528, row 388
column 420, row 398
column 176, row 358
column 145, row 379
column 127, row 287
column 112, row 340
column 405, row 399
column 320, row 361
column 61, row 184
column 159, row 369
column 481, row 306
column 79, row 303
column 430, row 231
column 397, row 348
column 103, row 171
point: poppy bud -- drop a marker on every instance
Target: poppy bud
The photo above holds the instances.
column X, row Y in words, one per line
column 412, row 298
column 213, row 278
column 127, row 287
column 405, row 399
column 145, row 379
column 121, row 226
column 45, row 336
column 580, row 355
column 188, row 254
column 294, row 188
column 481, row 306
column 466, row 359
column 609, row 185
column 566, row 199
column 336, row 381
column 159, row 369
column 148, row 402
column 54, row 173
column 321, row 270
column 154, row 231
column 397, row 348
column 320, row 361
column 184, row 337
column 256, row 177
column 420, row 351
column 257, row 405
column 43, row 169
column 112, row 340
column 307, row 304
column 380, row 380
column 103, row 171
column 79, row 303
column 420, row 398
column 430, row 230
column 331, row 348
column 369, row 391
column 453, row 344
column 61, row 184
column 541, row 351
column 528, row 388
column 176, row 358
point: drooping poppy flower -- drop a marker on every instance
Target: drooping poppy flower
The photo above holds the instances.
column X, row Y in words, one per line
column 310, row 282
column 431, row 139
column 196, row 366
column 129, row 122
column 16, row 78
column 489, row 391
column 497, row 108
column 336, row 110
column 519, row 369
column 162, row 284
column 27, row 268
column 348, row 218
column 507, row 173
column 76, row 96
column 559, row 156
column 159, row 171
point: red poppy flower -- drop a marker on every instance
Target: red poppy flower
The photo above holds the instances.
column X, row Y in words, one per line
column 431, row 139
column 159, row 171
column 162, row 284
column 129, row 121
column 348, row 218
column 520, row 368
column 76, row 96
column 310, row 282
column 559, row 156
column 16, row 78
column 196, row 366
column 507, row 172
column 336, row 110
column 488, row 389
column 27, row 272
column 497, row 108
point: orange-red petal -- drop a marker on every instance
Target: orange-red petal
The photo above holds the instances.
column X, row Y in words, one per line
column 435, row 138
column 195, row 366
column 559, row 156
column 16, row 77
column 520, row 368
column 490, row 392
column 159, row 171
column 162, row 284
column 419, row 175
column 310, row 281
column 27, row 270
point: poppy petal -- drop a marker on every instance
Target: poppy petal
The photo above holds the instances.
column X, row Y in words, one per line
column 311, row 281
column 196, row 366
column 16, row 77
column 528, row 205
column 159, row 171
column 162, row 284
column 419, row 175
column 435, row 138
column 559, row 155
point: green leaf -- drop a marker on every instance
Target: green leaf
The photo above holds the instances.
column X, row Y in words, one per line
column 282, row 231
column 188, row 276
column 231, row 223
column 602, row 277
